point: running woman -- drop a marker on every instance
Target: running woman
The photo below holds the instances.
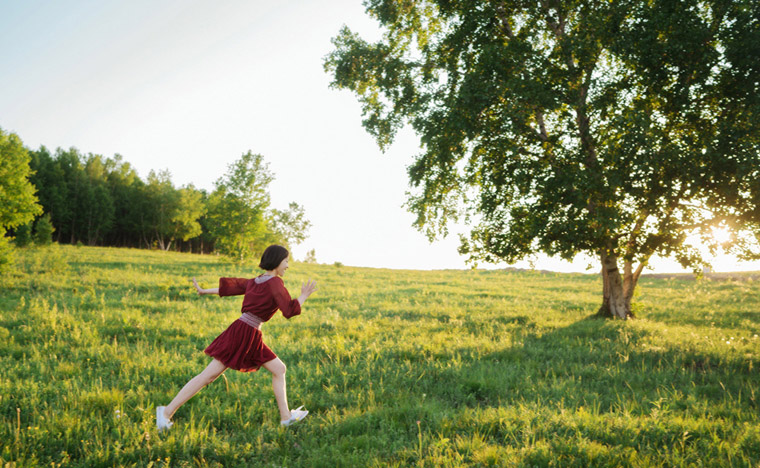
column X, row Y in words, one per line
column 241, row 346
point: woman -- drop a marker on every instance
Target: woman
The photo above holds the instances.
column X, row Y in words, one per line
column 241, row 346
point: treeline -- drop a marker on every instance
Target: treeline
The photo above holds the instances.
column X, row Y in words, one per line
column 94, row 200
column 102, row 201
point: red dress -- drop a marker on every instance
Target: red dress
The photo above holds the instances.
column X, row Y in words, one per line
column 240, row 346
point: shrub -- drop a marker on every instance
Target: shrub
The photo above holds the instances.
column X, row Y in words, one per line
column 43, row 231
column 23, row 235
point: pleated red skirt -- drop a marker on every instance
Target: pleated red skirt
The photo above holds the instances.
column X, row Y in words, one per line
column 240, row 347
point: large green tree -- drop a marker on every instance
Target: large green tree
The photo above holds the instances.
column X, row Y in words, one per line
column 18, row 202
column 613, row 128
column 173, row 213
column 240, row 218
column 238, row 206
column 185, row 223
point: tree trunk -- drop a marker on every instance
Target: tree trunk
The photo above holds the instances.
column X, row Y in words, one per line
column 617, row 291
column 604, row 310
column 630, row 279
column 160, row 240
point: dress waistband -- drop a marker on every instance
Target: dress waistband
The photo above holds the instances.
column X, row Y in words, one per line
column 251, row 320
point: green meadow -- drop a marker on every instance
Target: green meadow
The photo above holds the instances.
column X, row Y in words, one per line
column 398, row 368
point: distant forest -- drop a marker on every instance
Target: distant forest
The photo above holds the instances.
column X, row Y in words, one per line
column 95, row 200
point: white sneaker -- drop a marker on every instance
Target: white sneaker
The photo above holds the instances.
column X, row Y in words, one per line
column 162, row 423
column 295, row 416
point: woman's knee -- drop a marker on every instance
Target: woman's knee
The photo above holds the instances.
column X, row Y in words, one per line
column 280, row 368
column 209, row 375
column 276, row 367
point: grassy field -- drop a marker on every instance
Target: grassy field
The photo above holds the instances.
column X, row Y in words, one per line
column 398, row 368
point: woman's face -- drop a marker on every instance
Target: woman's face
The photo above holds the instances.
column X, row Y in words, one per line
column 280, row 270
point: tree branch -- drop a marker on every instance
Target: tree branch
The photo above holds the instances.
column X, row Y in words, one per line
column 663, row 223
column 636, row 231
column 558, row 28
column 540, row 119
column 504, row 21
column 639, row 269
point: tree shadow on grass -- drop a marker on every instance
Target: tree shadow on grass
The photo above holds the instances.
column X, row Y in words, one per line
column 600, row 363
column 596, row 380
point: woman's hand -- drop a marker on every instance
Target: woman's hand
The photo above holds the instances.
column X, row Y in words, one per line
column 306, row 290
column 202, row 291
column 197, row 288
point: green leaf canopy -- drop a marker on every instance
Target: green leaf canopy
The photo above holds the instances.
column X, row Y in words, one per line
column 567, row 126
column 611, row 128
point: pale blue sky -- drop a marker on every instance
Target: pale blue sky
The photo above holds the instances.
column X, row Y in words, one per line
column 190, row 85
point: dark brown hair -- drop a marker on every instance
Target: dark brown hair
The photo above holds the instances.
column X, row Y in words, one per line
column 272, row 257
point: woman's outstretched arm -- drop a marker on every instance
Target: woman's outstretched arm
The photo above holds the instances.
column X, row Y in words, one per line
column 202, row 291
column 306, row 290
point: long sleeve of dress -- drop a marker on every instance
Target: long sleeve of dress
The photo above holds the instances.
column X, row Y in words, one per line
column 232, row 286
column 289, row 307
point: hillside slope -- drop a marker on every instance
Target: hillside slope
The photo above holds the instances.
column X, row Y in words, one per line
column 398, row 368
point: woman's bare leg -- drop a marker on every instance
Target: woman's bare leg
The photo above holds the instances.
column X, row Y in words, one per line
column 277, row 368
column 209, row 374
